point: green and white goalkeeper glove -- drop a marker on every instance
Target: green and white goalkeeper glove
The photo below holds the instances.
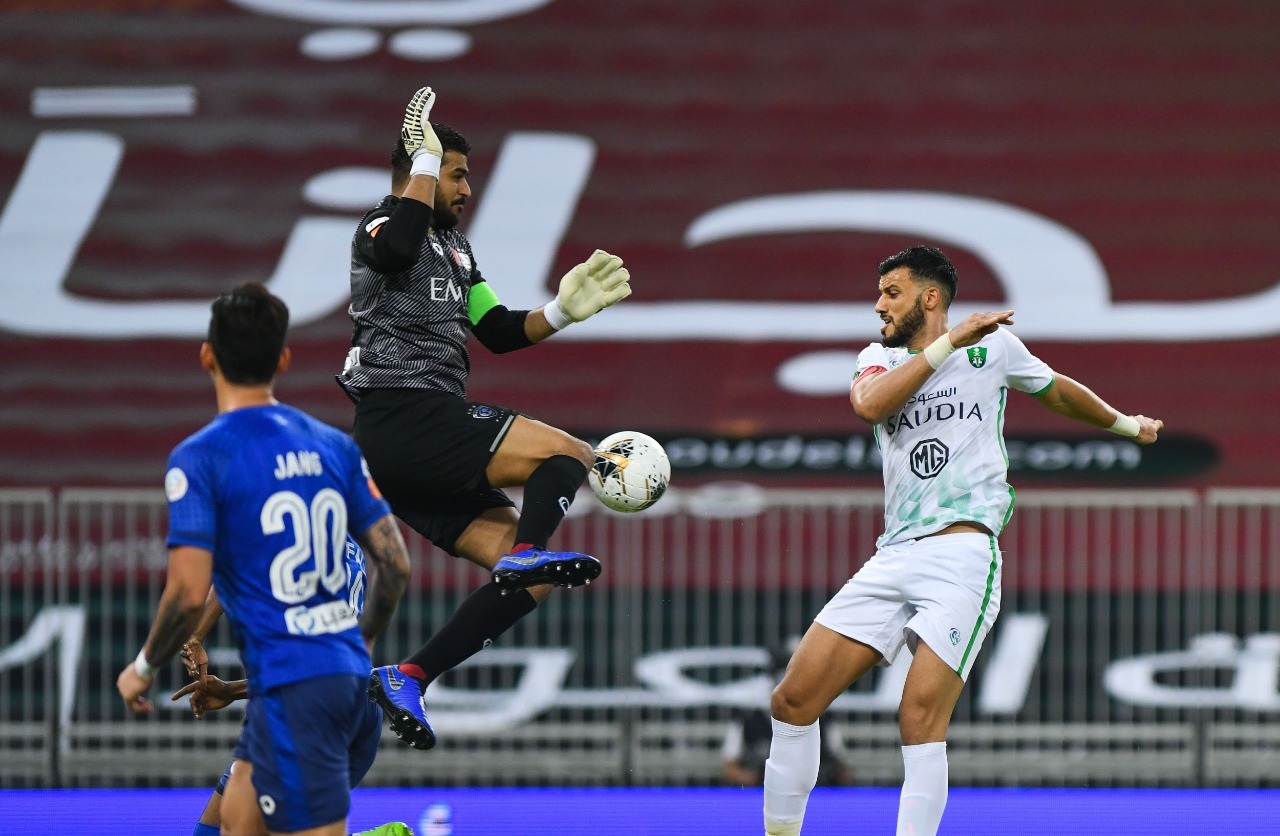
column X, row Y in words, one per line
column 587, row 289
column 420, row 140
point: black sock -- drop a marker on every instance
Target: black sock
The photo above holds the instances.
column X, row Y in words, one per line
column 483, row 616
column 547, row 496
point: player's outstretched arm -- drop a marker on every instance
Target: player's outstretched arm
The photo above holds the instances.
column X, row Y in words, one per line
column 584, row 291
column 392, row 242
column 387, row 561
column 878, row 394
column 1075, row 400
column 186, row 587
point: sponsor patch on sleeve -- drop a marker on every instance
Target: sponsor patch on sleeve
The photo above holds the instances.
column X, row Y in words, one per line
column 372, row 226
column 175, row 484
column 373, row 487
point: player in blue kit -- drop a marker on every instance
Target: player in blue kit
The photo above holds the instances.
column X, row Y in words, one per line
column 209, row 693
column 261, row 501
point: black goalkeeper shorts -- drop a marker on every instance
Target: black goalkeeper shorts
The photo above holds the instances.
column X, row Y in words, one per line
column 427, row 451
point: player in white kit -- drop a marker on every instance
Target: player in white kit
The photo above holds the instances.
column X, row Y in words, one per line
column 936, row 399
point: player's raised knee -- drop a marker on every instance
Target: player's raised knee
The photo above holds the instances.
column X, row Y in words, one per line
column 922, row 721
column 790, row 707
column 580, row 450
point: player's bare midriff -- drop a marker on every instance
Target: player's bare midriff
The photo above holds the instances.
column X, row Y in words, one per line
column 962, row 528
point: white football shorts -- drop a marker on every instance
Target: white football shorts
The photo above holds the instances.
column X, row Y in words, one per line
column 942, row 590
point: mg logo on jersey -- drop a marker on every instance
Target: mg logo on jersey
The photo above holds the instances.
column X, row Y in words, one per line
column 929, row 457
column 978, row 356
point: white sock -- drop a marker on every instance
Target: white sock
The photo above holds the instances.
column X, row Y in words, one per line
column 924, row 789
column 790, row 774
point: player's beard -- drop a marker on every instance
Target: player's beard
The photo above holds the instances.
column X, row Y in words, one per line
column 906, row 328
column 443, row 217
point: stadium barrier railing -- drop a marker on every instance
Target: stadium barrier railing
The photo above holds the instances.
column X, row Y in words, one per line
column 1136, row 645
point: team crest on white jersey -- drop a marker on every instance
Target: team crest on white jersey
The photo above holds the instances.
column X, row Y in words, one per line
column 978, row 356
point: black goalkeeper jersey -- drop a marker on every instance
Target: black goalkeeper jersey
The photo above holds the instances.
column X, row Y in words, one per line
column 410, row 327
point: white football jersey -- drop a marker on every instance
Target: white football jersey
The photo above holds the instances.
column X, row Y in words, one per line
column 943, row 451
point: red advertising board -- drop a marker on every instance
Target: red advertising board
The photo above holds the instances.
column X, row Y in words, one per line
column 1110, row 171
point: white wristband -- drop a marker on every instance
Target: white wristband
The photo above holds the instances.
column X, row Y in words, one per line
column 428, row 164
column 1126, row 425
column 556, row 317
column 938, row 350
column 144, row 668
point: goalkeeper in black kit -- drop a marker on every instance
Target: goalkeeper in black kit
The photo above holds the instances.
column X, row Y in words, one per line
column 440, row 460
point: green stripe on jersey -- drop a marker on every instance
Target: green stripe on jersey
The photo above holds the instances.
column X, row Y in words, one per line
column 986, row 600
column 1049, row 386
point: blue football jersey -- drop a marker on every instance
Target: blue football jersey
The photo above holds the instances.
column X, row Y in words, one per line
column 273, row 493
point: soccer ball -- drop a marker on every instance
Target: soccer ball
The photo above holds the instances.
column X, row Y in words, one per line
column 631, row 471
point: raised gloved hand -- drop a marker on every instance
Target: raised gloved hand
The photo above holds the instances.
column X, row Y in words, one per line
column 589, row 288
column 419, row 139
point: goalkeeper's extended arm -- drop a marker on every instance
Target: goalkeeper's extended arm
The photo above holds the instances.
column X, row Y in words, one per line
column 587, row 289
column 392, row 242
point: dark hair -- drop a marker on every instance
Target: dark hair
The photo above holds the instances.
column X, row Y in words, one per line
column 927, row 264
column 450, row 140
column 247, row 332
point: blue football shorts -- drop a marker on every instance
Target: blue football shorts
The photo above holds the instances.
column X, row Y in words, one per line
column 310, row 743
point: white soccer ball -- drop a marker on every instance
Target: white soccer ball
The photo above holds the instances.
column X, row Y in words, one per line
column 631, row 471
